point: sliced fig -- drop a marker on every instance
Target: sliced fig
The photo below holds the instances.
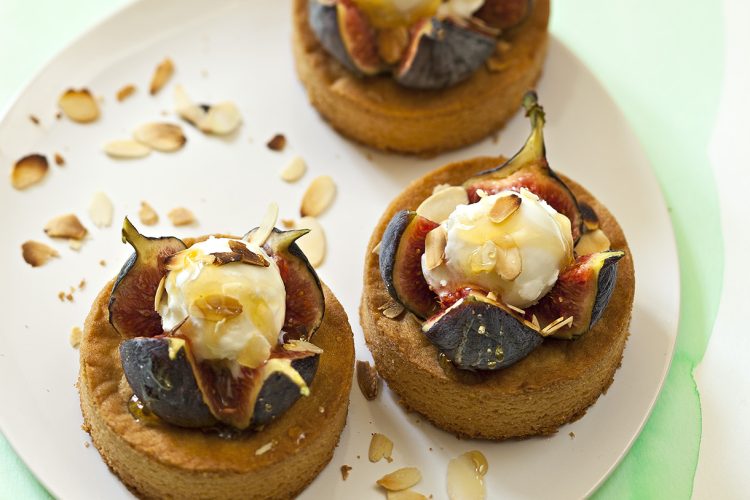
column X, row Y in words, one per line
column 305, row 303
column 582, row 291
column 160, row 373
column 131, row 303
column 359, row 38
column 323, row 18
column 504, row 14
column 169, row 382
column 529, row 169
column 441, row 54
column 477, row 333
column 401, row 252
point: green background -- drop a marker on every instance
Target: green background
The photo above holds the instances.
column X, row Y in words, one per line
column 662, row 62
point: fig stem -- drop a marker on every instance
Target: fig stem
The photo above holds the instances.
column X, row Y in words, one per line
column 533, row 149
column 130, row 234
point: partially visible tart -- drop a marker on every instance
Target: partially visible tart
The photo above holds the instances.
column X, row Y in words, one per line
column 274, row 457
column 381, row 112
column 552, row 382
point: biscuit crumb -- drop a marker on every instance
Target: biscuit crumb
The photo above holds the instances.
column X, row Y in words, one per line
column 86, row 444
column 572, row 435
column 75, row 337
column 103, row 263
column 34, row 119
column 345, row 472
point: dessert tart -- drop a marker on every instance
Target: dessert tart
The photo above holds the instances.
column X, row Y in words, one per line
column 418, row 76
column 208, row 365
column 518, row 286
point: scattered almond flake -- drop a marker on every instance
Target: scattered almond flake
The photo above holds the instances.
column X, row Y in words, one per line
column 61, row 296
column 321, row 409
column 313, row 244
column 466, row 476
column 265, row 448
column 287, row 223
column 65, row 226
column 434, row 252
column 162, row 74
column 147, row 214
column 302, row 346
column 345, row 471
column 550, row 326
column 101, row 210
column 401, row 479
column 221, row 119
column 159, row 292
column 497, row 64
column 392, row 43
column 103, row 263
column 125, row 92
column 380, row 447
column 481, row 193
column 514, row 308
column 29, row 170
column 440, row 187
column 294, row 169
column 34, row 119
column 126, row 149
column 508, row 263
column 376, row 248
column 75, row 245
column 161, row 136
column 277, row 143
column 441, row 204
column 318, row 197
column 503, row 46
column 267, row 224
column 189, row 111
column 504, row 207
column 181, row 216
column 572, row 434
column 59, row 160
column 368, row 380
column 393, row 311
column 593, row 242
column 79, row 105
column 37, row 254
column 405, row 495
column 535, row 321
column 75, row 337
column 492, row 296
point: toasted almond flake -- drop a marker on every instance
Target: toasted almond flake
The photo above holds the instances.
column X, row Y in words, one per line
column 186, row 108
column 508, row 264
column 126, row 148
column 557, row 325
column 368, row 380
column 75, row 245
column 393, row 311
column 376, row 248
column 277, row 143
column 400, row 479
column 287, row 223
column 590, row 219
column 345, row 472
column 593, row 242
column 440, row 187
column 313, row 244
column 159, row 292
column 302, row 346
column 434, row 252
column 147, row 214
column 441, row 204
column 65, row 226
column 405, row 495
column 162, row 74
column 101, row 210
column 380, row 447
column 221, row 119
column 161, row 136
column 552, row 325
column 59, row 160
column 481, row 193
column 79, row 105
column 181, row 216
column 75, row 337
column 37, row 254
column 125, row 92
column 497, row 64
column 265, row 448
column 491, row 296
column 504, row 207
column 29, row 170
column 260, row 236
column 294, row 169
column 535, row 321
column 318, row 197
column 514, row 308
column 464, row 477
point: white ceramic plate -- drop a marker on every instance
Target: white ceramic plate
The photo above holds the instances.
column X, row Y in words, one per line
column 240, row 51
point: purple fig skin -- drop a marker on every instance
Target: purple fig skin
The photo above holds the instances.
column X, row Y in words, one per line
column 478, row 335
column 324, row 23
column 443, row 55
